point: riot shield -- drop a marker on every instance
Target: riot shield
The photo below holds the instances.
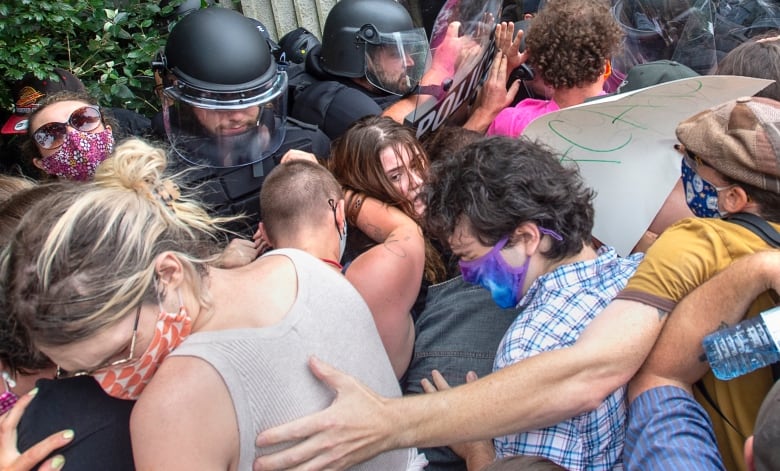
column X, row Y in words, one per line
column 697, row 33
column 462, row 49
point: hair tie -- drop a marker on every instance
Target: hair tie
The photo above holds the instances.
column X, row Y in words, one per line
column 166, row 192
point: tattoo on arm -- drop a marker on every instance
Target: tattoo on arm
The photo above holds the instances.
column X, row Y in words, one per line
column 661, row 314
column 391, row 245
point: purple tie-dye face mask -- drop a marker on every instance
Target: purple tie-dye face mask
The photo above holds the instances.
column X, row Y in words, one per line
column 493, row 273
column 79, row 155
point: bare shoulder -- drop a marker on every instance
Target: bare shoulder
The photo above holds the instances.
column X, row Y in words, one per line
column 184, row 419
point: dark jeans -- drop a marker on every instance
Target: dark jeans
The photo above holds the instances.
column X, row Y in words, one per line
column 458, row 331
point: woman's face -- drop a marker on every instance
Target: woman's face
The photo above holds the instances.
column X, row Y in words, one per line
column 58, row 112
column 396, row 163
column 107, row 346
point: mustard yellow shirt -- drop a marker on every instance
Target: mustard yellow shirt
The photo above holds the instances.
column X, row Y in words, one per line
column 685, row 256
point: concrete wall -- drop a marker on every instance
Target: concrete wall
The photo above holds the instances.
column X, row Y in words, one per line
column 283, row 16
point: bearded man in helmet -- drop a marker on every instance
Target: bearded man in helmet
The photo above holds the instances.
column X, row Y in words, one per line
column 225, row 109
column 371, row 55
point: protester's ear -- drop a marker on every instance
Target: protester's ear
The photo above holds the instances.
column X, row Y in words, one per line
column 749, row 454
column 169, row 270
column 527, row 237
column 341, row 216
column 734, row 199
column 263, row 233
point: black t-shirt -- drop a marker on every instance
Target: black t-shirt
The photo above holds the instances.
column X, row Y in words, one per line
column 101, row 424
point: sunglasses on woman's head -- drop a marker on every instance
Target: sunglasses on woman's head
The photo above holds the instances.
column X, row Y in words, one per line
column 52, row 135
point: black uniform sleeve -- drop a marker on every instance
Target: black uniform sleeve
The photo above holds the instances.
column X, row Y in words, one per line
column 348, row 105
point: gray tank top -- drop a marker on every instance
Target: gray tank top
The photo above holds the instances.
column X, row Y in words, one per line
column 266, row 371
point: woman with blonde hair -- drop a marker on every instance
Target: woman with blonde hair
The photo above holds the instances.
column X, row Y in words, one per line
column 118, row 285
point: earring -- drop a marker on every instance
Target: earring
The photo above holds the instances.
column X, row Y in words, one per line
column 9, row 382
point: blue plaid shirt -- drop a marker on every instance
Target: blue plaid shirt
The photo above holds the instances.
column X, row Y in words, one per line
column 555, row 310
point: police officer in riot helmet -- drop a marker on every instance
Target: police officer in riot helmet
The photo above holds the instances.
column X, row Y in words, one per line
column 225, row 106
column 371, row 55
column 294, row 46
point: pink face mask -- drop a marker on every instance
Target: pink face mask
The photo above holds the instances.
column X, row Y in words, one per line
column 79, row 155
column 7, row 398
column 127, row 381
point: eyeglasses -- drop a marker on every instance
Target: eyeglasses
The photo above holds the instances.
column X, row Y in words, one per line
column 52, row 135
column 65, row 374
column 693, row 160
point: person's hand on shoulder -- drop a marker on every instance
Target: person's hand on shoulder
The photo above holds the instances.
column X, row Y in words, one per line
column 355, row 427
column 240, row 252
column 295, row 154
column 11, row 459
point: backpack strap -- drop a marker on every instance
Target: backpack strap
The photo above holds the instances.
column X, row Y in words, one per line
column 768, row 234
column 758, row 226
column 703, row 390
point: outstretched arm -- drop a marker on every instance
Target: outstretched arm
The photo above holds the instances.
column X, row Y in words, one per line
column 678, row 357
column 667, row 428
column 554, row 386
column 443, row 67
column 493, row 96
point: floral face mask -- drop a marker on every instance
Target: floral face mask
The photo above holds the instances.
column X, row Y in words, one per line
column 79, row 155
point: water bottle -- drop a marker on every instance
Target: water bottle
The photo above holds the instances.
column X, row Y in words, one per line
column 748, row 346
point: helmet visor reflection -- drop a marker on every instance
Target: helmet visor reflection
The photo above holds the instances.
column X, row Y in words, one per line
column 225, row 137
column 396, row 62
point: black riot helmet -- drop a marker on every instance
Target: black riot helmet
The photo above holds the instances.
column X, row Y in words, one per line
column 294, row 45
column 224, row 102
column 370, row 38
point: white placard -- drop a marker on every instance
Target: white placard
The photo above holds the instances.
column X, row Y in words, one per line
column 623, row 146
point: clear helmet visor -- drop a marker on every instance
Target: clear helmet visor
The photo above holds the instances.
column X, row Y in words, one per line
column 681, row 31
column 395, row 62
column 226, row 129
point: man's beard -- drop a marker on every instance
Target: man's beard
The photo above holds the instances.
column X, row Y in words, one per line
column 242, row 148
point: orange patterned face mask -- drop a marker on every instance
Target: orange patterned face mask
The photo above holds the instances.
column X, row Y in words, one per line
column 127, row 381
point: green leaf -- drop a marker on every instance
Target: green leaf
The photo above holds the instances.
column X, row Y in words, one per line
column 122, row 91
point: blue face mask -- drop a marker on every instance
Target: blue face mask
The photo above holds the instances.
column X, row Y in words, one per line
column 493, row 273
column 700, row 195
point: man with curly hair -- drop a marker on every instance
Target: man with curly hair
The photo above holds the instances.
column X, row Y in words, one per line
column 520, row 222
column 569, row 44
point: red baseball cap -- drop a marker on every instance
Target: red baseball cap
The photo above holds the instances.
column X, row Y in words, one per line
column 29, row 91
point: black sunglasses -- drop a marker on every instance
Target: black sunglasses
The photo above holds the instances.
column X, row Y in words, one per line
column 52, row 135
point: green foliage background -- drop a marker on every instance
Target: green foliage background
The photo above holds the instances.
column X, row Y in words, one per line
column 108, row 44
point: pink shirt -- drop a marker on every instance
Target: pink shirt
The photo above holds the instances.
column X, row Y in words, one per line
column 512, row 121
